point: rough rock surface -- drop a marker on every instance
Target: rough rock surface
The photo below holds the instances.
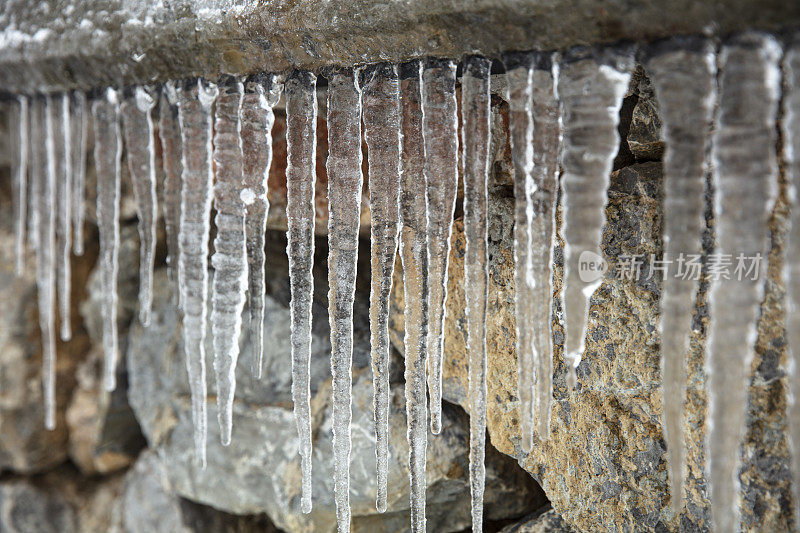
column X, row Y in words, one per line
column 24, row 508
column 540, row 522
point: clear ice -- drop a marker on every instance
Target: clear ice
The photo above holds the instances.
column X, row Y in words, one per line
column 63, row 147
column 79, row 130
column 21, row 183
column 171, row 156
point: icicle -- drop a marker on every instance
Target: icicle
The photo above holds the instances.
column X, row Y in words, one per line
column 21, row 183
column 745, row 178
column 683, row 72
column 344, row 207
column 414, row 254
column 171, row 150
column 440, row 133
column 108, row 162
column 261, row 94
column 301, row 148
column 791, row 154
column 137, row 114
column 44, row 119
column 196, row 126
column 475, row 116
column 591, row 85
column 38, row 166
column 63, row 146
column 381, row 96
column 79, row 132
column 230, row 256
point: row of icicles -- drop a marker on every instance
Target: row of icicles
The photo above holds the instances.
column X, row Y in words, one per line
column 564, row 112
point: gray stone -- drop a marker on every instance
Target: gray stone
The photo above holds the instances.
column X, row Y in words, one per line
column 540, row 522
column 24, row 508
column 644, row 136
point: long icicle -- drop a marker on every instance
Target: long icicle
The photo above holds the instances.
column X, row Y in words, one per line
column 440, row 132
column 683, row 71
column 137, row 114
column 261, row 94
column 230, row 255
column 414, row 255
column 344, row 207
column 790, row 123
column 196, row 124
column 591, row 85
column 38, row 166
column 301, row 149
column 64, row 227
column 21, row 183
column 475, row 116
column 79, row 130
column 745, row 181
column 171, row 149
column 108, row 162
column 381, row 95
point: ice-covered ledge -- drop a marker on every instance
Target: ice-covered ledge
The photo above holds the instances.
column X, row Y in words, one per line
column 62, row 44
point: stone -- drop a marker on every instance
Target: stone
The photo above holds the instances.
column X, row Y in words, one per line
column 24, row 508
column 541, row 522
column 644, row 135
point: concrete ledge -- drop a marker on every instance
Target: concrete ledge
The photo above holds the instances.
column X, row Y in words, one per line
column 60, row 44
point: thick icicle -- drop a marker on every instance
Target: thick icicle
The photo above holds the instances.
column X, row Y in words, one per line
column 344, row 207
column 63, row 154
column 21, row 183
column 745, row 181
column 43, row 133
column 440, row 132
column 791, row 155
column 230, row 256
column 196, row 126
column 381, row 95
column 414, row 255
column 79, row 131
column 137, row 114
column 683, row 72
column 301, row 149
column 108, row 162
column 475, row 116
column 171, row 153
column 261, row 94
column 591, row 85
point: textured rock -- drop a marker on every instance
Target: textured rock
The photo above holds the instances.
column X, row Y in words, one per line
column 24, row 508
column 541, row 522
column 644, row 135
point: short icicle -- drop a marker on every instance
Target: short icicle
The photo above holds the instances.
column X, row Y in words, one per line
column 21, row 183
column 79, row 130
column 683, row 72
column 301, row 148
column 591, row 85
column 414, row 256
column 137, row 114
column 261, row 94
column 196, row 125
column 745, row 181
column 344, row 208
column 440, row 133
column 230, row 256
column 108, row 162
column 171, row 157
column 381, row 101
column 476, row 119
column 64, row 225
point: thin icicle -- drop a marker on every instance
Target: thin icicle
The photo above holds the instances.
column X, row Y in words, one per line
column 683, row 72
column 791, row 155
column 137, row 114
column 591, row 85
column 475, row 116
column 108, row 162
column 21, row 183
column 43, row 132
column 196, row 126
column 440, row 133
column 63, row 146
column 38, row 166
column 79, row 131
column 414, row 254
column 261, row 94
column 230, row 255
column 344, row 207
column 745, row 181
column 301, row 148
column 171, row 149
column 381, row 94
